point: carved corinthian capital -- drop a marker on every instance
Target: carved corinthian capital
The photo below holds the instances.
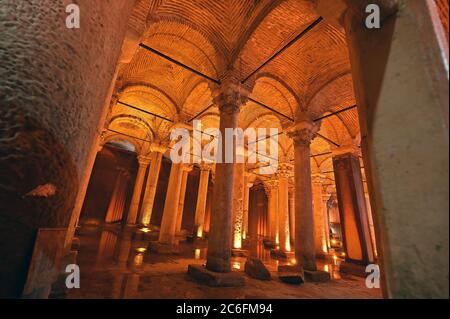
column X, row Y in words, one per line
column 304, row 132
column 231, row 94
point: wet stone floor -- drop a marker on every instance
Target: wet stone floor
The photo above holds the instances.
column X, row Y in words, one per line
column 117, row 263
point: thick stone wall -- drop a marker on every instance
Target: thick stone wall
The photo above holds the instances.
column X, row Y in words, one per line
column 53, row 84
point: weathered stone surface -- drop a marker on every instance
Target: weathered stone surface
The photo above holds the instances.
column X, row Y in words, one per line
column 256, row 269
column 316, row 276
column 215, row 279
column 160, row 248
column 278, row 254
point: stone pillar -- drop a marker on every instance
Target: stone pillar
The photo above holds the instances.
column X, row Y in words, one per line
column 152, row 183
column 271, row 188
column 403, row 103
column 371, row 225
column 238, row 205
column 202, row 194
column 283, row 207
column 137, row 191
column 229, row 99
column 352, row 207
column 184, row 180
column 320, row 241
column 247, row 187
column 118, row 197
column 292, row 213
column 170, row 213
column 50, row 156
column 302, row 134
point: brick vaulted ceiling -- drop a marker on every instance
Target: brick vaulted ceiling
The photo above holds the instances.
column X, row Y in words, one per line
column 211, row 36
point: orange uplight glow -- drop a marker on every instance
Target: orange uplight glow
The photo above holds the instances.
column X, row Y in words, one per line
column 197, row 254
column 294, row 261
column 141, row 250
column 145, row 230
column 138, row 259
column 237, row 266
column 326, row 268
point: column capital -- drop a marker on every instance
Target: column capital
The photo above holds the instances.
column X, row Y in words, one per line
column 285, row 170
column 318, row 178
column 158, row 148
column 270, row 185
column 143, row 160
column 187, row 167
column 206, row 166
column 348, row 149
column 231, row 94
column 303, row 132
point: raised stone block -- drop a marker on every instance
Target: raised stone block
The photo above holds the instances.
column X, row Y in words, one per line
column 278, row 254
column 239, row 253
column 163, row 249
column 215, row 279
column 269, row 244
column 291, row 278
column 317, row 276
column 256, row 269
column 353, row 269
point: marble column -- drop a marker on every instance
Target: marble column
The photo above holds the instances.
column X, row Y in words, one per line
column 238, row 205
column 229, row 98
column 403, row 106
column 199, row 221
column 118, row 197
column 137, row 191
column 302, row 134
column 352, row 207
column 152, row 182
column 320, row 241
column 283, row 207
column 292, row 213
column 247, row 187
column 184, row 180
column 169, row 218
column 271, row 188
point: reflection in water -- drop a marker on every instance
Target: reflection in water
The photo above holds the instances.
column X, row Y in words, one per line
column 106, row 246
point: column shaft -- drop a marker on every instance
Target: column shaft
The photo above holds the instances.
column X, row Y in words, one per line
column 220, row 235
column 169, row 219
column 184, row 180
column 150, row 189
column 302, row 135
column 283, row 212
column 352, row 209
column 200, row 209
column 238, row 205
column 137, row 191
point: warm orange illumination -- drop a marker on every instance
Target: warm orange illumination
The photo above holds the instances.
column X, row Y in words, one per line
column 343, row 254
column 141, row 250
column 326, row 268
column 145, row 230
column 197, row 254
column 294, row 261
column 138, row 260
column 334, row 241
column 237, row 266
column 200, row 232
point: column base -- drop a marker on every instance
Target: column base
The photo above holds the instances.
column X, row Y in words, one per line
column 235, row 252
column 353, row 269
column 278, row 254
column 257, row 270
column 317, row 276
column 214, row 279
column 291, row 274
column 164, row 249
